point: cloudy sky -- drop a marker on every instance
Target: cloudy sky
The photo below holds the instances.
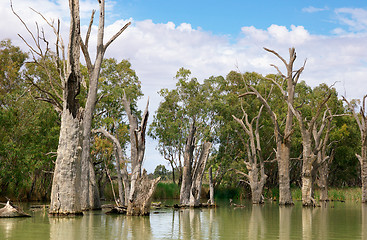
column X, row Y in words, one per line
column 215, row 37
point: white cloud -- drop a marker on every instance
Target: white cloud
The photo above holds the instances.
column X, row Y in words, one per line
column 312, row 9
column 354, row 18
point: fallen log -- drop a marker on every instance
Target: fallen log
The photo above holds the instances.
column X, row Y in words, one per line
column 10, row 211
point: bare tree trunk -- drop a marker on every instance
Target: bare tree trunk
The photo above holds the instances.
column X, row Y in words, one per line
column 211, row 187
column 285, row 197
column 65, row 194
column 186, row 175
column 122, row 175
column 197, row 175
column 142, row 196
column 322, row 181
column 308, row 160
column 363, row 160
column 90, row 195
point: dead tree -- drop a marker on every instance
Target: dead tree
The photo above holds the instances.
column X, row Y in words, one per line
column 122, row 174
column 282, row 138
column 320, row 169
column 74, row 185
column 255, row 165
column 361, row 120
column 193, row 170
column 138, row 191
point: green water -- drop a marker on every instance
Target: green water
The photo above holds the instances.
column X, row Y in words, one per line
column 330, row 221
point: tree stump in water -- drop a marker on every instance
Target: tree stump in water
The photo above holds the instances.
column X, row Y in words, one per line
column 10, row 211
column 139, row 204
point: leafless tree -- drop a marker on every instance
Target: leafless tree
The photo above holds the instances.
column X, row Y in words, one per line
column 361, row 120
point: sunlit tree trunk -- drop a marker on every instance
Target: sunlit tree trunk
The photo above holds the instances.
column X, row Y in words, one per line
column 65, row 194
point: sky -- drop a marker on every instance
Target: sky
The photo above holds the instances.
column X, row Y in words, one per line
column 211, row 38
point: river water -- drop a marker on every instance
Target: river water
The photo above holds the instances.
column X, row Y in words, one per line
column 269, row 221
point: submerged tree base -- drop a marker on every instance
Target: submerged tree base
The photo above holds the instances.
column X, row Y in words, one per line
column 60, row 214
column 10, row 211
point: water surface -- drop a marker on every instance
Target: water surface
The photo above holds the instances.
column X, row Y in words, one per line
column 269, row 221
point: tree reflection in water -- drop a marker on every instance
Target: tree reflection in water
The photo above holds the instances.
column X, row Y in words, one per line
column 285, row 214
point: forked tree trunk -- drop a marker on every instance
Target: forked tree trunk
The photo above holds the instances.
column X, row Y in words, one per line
column 255, row 165
column 186, row 174
column 65, row 193
column 198, row 173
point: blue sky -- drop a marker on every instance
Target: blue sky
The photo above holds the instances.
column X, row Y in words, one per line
column 212, row 38
column 227, row 17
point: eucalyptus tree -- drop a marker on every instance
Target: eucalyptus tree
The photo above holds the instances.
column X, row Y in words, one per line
column 28, row 131
column 184, row 125
column 74, row 186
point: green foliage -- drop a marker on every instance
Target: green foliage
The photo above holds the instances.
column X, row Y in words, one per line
column 28, row 132
column 167, row 191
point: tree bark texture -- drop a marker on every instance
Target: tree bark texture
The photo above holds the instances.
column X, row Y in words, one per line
column 197, row 174
column 65, row 194
column 285, row 197
column 139, row 203
column 186, row 174
column 211, row 187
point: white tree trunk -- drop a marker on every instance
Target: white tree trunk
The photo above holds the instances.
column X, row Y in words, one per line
column 197, row 175
column 186, row 174
column 65, row 193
